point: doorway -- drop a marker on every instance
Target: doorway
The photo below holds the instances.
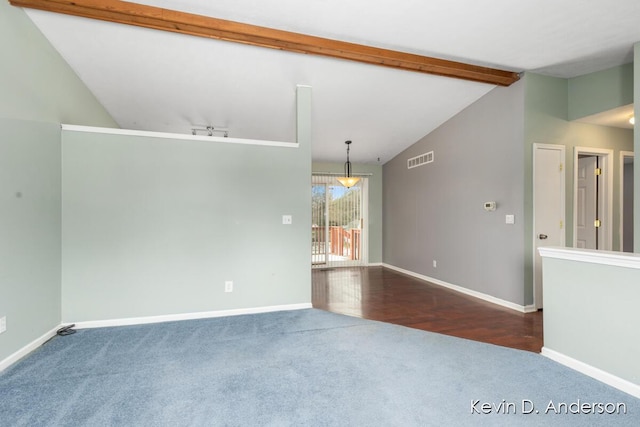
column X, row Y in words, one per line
column 593, row 198
column 587, row 202
column 626, row 201
column 548, row 206
column 339, row 215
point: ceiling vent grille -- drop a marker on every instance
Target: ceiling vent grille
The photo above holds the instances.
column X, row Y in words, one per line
column 420, row 160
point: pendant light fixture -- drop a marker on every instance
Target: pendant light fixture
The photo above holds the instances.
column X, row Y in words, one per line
column 348, row 180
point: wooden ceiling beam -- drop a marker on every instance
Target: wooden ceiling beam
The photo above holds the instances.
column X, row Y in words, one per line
column 203, row 26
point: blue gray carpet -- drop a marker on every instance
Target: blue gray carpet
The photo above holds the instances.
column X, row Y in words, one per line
column 296, row 368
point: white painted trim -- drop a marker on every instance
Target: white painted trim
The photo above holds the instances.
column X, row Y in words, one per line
column 623, row 154
column 24, row 351
column 364, row 233
column 591, row 256
column 376, row 264
column 607, row 186
column 186, row 316
column 180, row 136
column 593, row 372
column 479, row 295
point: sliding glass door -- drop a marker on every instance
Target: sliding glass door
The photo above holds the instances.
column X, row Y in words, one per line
column 339, row 216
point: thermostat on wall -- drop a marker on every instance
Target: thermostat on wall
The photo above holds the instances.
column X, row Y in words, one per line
column 489, row 206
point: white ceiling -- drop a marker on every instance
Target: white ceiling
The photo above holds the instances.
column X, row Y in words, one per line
column 158, row 81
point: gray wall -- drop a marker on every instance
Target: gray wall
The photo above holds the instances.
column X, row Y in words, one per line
column 38, row 91
column 431, row 212
column 156, row 226
column 435, row 211
column 375, row 201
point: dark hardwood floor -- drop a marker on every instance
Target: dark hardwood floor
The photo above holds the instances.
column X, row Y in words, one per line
column 382, row 294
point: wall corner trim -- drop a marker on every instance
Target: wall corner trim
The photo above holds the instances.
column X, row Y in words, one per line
column 593, row 372
column 24, row 351
column 179, row 136
column 463, row 290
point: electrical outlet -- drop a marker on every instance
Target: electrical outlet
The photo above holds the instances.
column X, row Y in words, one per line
column 287, row 219
column 3, row 324
column 435, row 263
column 228, row 286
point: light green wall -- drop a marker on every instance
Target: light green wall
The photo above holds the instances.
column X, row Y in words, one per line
column 156, row 226
column 38, row 90
column 375, row 202
column 29, row 231
column 546, row 111
column 591, row 314
column 225, row 200
column 35, row 81
column 546, row 104
column 601, row 91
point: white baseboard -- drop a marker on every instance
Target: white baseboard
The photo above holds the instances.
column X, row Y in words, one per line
column 479, row 295
column 186, row 316
column 593, row 372
column 375, row 264
column 4, row 364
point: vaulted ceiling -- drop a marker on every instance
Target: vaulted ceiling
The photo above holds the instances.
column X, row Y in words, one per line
column 161, row 81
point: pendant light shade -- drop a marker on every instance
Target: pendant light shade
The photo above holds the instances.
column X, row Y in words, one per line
column 348, row 180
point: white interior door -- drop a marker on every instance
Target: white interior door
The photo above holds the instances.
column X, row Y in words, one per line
column 549, row 206
column 586, row 203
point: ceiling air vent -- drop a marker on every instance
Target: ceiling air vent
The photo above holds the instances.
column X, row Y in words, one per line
column 420, row 160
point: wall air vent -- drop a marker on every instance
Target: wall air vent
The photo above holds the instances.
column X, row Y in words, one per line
column 420, row 160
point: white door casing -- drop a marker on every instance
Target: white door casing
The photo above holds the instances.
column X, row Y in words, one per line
column 586, row 207
column 548, row 206
column 624, row 157
column 605, row 195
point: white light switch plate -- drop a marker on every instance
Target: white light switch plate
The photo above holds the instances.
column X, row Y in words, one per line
column 3, row 324
column 287, row 219
column 509, row 219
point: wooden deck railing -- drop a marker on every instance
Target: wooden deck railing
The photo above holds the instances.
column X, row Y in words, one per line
column 344, row 243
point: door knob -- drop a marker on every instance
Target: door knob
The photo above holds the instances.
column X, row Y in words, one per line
column 542, row 236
